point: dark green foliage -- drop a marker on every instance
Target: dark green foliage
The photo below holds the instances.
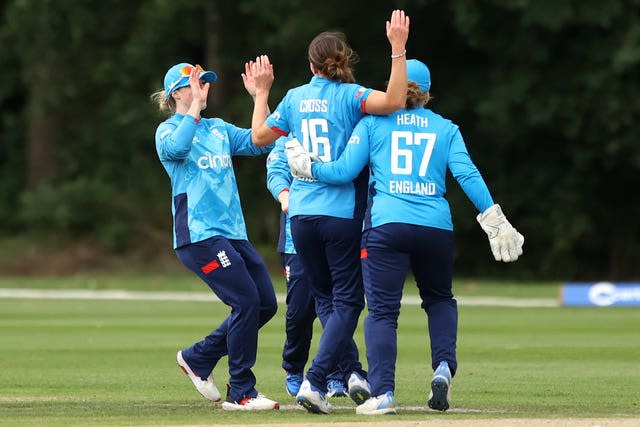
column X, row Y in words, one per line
column 546, row 93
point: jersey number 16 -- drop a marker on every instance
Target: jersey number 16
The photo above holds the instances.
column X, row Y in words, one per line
column 313, row 139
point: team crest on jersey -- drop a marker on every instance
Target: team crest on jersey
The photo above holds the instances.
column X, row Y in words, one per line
column 224, row 259
column 217, row 133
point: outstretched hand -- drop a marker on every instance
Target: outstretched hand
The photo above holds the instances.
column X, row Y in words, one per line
column 258, row 75
column 398, row 30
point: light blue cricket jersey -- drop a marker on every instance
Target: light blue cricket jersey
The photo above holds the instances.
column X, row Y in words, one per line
column 409, row 153
column 197, row 157
column 321, row 115
column 278, row 179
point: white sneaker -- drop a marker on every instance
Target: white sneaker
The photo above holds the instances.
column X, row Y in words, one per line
column 440, row 394
column 258, row 403
column 314, row 401
column 379, row 405
column 359, row 389
column 206, row 388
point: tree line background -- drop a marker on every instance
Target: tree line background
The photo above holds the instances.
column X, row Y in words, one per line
column 546, row 93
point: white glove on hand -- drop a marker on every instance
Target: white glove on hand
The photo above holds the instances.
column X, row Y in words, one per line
column 298, row 158
column 505, row 241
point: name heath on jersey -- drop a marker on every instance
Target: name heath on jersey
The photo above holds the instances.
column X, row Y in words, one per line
column 410, row 187
column 412, row 119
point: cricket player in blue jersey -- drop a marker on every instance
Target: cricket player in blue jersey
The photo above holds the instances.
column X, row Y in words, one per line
column 209, row 232
column 408, row 226
column 326, row 221
column 301, row 311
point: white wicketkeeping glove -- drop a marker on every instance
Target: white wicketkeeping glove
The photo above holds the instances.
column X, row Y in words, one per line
column 298, row 158
column 505, row 241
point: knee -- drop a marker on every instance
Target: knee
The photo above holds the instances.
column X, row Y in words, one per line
column 267, row 311
column 296, row 314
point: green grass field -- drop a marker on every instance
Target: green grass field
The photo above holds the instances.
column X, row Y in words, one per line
column 93, row 362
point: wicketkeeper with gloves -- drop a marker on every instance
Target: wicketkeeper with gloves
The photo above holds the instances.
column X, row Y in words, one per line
column 408, row 226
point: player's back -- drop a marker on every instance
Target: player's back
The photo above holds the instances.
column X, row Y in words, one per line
column 409, row 155
column 322, row 115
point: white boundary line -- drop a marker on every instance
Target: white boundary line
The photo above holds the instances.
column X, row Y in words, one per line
column 83, row 294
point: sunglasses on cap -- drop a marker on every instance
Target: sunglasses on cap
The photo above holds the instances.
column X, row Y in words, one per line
column 185, row 72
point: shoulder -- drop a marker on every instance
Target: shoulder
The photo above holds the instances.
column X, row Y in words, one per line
column 166, row 127
column 440, row 120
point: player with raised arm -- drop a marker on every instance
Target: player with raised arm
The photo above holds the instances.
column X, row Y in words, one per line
column 209, row 232
column 408, row 226
column 326, row 221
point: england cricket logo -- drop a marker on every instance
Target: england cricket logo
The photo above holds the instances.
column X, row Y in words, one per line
column 224, row 259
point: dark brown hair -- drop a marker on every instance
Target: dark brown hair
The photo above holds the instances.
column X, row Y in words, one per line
column 332, row 56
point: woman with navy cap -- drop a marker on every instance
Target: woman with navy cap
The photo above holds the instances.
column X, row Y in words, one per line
column 209, row 232
column 408, row 226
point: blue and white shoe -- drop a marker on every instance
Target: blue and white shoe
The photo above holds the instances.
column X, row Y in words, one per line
column 312, row 399
column 359, row 388
column 440, row 395
column 292, row 383
column 336, row 388
column 379, row 405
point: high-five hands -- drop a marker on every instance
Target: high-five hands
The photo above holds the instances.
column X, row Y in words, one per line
column 505, row 241
column 398, row 30
column 258, row 75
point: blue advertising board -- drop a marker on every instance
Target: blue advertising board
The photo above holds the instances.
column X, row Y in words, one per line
column 601, row 294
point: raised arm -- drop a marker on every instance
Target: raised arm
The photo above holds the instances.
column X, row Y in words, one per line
column 383, row 103
column 260, row 73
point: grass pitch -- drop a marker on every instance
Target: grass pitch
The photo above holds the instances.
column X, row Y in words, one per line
column 85, row 362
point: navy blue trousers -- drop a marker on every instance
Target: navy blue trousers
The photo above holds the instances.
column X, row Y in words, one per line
column 301, row 313
column 236, row 273
column 388, row 252
column 329, row 248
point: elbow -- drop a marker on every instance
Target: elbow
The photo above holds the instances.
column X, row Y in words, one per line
column 397, row 104
column 255, row 140
column 177, row 154
column 258, row 140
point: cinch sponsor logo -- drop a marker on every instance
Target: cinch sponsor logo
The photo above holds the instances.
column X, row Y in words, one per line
column 604, row 294
column 209, row 161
